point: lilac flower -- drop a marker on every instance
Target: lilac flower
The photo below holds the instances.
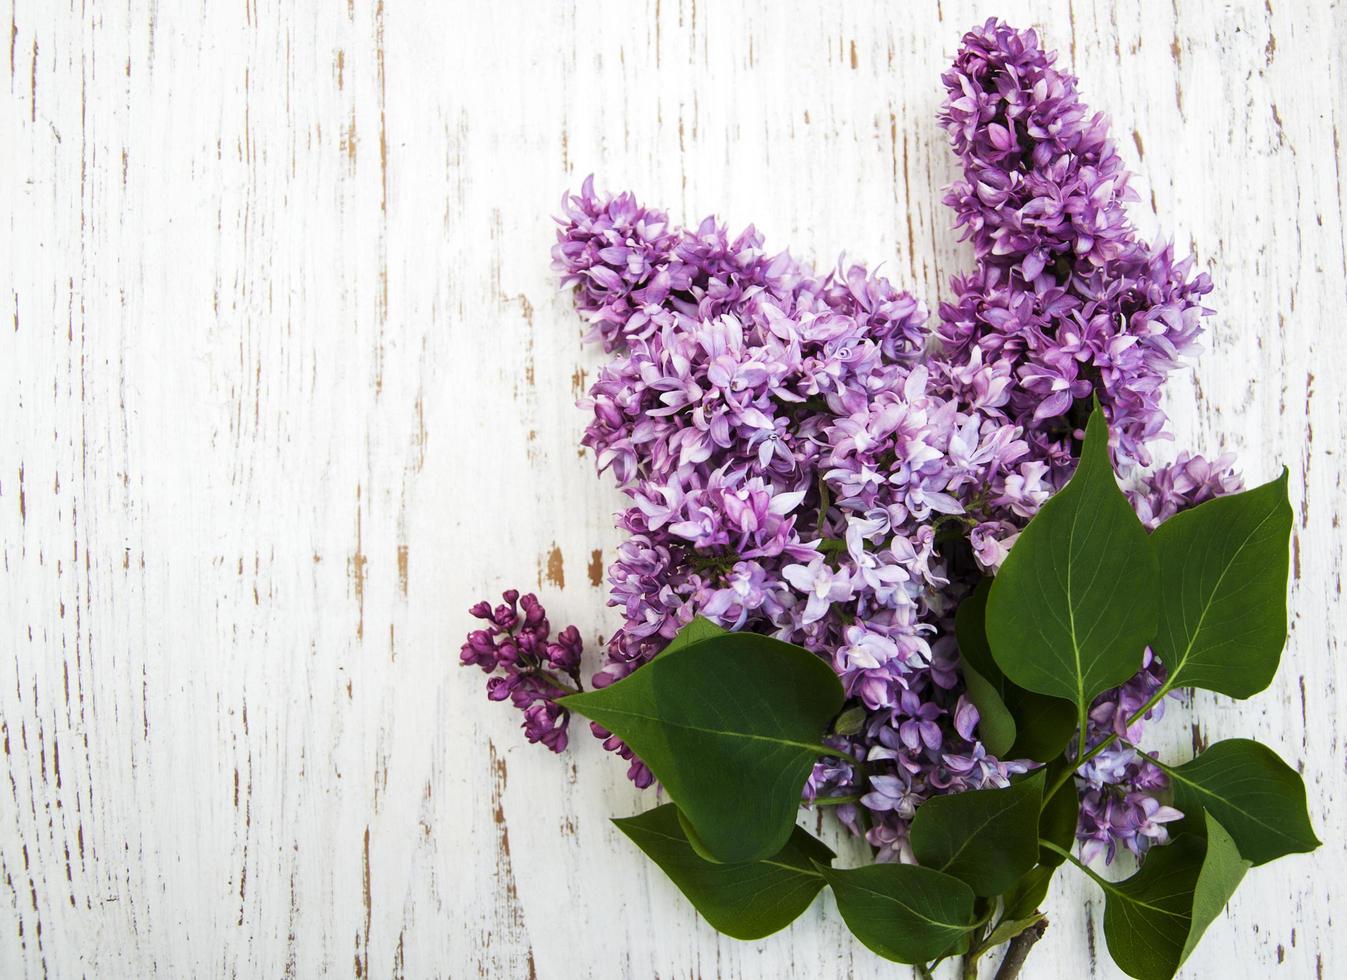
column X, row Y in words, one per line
column 1064, row 290
column 1134, row 820
column 519, row 645
column 893, row 793
column 821, row 584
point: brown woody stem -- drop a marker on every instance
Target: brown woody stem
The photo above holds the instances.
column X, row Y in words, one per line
column 1019, row 950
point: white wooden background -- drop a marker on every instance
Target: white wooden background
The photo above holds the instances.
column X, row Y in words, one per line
column 288, row 383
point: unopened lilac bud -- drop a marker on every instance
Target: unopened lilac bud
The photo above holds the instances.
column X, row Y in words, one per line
column 534, row 613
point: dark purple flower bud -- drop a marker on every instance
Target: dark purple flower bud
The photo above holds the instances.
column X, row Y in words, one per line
column 507, row 652
column 480, row 649
column 534, row 613
column 504, row 617
column 546, row 722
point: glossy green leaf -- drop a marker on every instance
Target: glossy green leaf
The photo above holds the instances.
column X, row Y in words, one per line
column 1027, row 894
column 1043, row 725
column 745, row 901
column 903, row 912
column 695, row 841
column 731, row 725
column 1223, row 571
column 996, row 725
column 1061, row 813
column 1075, row 602
column 700, row 628
column 1257, row 798
column 987, row 838
column 1223, row 868
column 970, row 628
column 1153, row 920
column 1013, row 723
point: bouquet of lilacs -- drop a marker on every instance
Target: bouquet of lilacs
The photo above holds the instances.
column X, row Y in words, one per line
column 886, row 566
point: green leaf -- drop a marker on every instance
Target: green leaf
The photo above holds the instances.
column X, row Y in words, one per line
column 731, row 725
column 903, row 912
column 1043, row 725
column 1061, row 813
column 1075, row 602
column 1256, row 796
column 1013, row 723
column 694, row 841
column 1153, row 920
column 1008, row 929
column 1223, row 570
column 986, row 838
column 1222, row 870
column 996, row 725
column 700, row 628
column 1027, row 894
column 970, row 627
column 851, row 721
column 746, row 901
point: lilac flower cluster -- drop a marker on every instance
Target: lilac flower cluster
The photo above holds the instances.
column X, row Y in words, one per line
column 517, row 642
column 791, row 461
column 1064, row 292
column 804, row 457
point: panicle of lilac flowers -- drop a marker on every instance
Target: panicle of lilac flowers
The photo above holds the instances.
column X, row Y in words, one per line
column 1064, row 290
column 789, row 459
column 802, row 456
column 517, row 649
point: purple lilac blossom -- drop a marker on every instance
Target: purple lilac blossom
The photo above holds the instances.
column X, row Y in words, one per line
column 804, row 457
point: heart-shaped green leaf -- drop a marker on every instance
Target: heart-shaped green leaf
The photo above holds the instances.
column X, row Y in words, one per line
column 1013, row 723
column 903, row 912
column 1153, row 920
column 745, row 901
column 731, row 725
column 1075, row 602
column 1256, row 796
column 1223, row 569
column 987, row 838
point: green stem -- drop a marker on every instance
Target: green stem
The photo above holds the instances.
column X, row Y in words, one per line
column 1082, row 722
column 1107, row 886
column 824, row 502
column 558, row 682
column 836, row 800
column 924, row 971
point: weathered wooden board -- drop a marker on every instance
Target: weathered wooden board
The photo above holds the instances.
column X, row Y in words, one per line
column 288, row 383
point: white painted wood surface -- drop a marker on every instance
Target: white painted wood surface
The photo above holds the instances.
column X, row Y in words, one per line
column 288, row 383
